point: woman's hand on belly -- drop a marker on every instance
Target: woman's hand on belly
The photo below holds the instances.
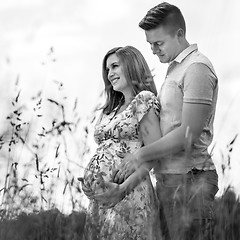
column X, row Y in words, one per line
column 112, row 195
column 87, row 191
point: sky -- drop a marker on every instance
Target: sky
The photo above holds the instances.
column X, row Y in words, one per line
column 44, row 41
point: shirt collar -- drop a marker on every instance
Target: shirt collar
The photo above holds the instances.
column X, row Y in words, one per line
column 185, row 53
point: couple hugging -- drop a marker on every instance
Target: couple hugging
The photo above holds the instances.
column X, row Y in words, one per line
column 169, row 131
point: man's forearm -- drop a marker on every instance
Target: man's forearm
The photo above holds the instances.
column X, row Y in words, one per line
column 136, row 177
column 171, row 143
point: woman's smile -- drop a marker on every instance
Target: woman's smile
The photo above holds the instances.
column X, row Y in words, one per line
column 114, row 80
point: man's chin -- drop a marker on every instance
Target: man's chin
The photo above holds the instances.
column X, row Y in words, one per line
column 162, row 60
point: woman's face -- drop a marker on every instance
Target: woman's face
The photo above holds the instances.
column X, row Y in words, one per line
column 116, row 75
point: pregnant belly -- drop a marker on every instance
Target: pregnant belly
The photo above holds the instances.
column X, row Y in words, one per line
column 99, row 170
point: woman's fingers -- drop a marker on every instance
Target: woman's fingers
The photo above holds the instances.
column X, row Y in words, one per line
column 111, row 196
column 88, row 192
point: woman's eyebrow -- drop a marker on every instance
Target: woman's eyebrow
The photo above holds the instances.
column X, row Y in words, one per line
column 112, row 64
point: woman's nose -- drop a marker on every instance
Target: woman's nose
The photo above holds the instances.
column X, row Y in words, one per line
column 110, row 73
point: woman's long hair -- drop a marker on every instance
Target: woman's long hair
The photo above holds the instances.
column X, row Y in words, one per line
column 136, row 72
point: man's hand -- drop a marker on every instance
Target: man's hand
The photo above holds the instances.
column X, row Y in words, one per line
column 128, row 166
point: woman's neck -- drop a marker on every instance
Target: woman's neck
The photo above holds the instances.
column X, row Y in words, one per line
column 124, row 102
column 127, row 98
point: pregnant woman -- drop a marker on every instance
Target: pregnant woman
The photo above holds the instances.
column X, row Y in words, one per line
column 129, row 120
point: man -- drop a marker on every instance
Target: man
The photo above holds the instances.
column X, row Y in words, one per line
column 185, row 173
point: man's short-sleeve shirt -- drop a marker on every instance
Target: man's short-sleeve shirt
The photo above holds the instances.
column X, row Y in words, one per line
column 188, row 82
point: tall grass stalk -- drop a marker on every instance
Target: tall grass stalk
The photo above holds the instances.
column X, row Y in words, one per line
column 36, row 149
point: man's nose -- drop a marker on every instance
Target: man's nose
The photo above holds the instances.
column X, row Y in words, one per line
column 155, row 48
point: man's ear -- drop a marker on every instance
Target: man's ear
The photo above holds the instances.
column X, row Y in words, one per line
column 180, row 33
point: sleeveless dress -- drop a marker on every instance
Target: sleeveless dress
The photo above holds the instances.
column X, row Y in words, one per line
column 136, row 216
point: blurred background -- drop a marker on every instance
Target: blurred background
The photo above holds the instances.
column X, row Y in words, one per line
column 54, row 49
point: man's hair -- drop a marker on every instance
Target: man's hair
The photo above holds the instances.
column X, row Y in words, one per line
column 166, row 15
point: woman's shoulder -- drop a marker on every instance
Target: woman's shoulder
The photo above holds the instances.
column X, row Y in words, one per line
column 144, row 101
column 145, row 95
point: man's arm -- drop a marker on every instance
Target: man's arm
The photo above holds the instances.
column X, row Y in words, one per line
column 193, row 118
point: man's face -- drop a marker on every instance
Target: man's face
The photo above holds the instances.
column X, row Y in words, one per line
column 165, row 45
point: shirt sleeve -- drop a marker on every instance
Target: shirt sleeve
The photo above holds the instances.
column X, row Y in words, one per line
column 199, row 84
column 144, row 101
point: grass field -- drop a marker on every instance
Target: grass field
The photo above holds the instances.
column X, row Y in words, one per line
column 42, row 153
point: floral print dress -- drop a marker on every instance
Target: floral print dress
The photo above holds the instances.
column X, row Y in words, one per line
column 136, row 216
